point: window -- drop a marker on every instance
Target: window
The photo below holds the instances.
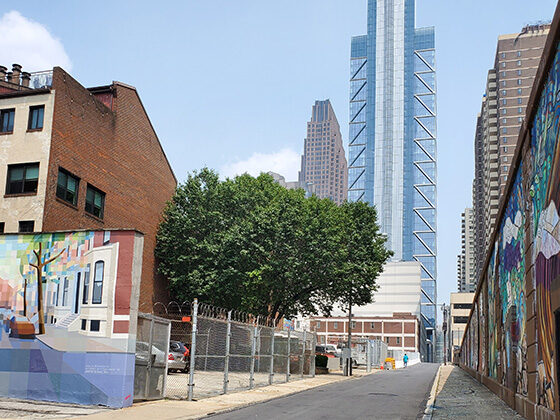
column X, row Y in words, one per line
column 94, row 325
column 67, row 186
column 26, row 226
column 503, row 64
column 36, row 114
column 84, row 324
column 519, row 72
column 506, row 168
column 505, row 158
column 518, row 62
column 504, row 111
column 2, row 226
column 519, row 119
column 7, row 120
column 505, row 149
column 22, row 179
column 504, row 139
column 504, row 93
column 98, row 282
column 504, row 121
column 519, row 81
column 519, row 91
column 519, row 53
column 520, row 110
column 519, row 101
column 504, row 130
column 460, row 319
column 95, row 201
column 503, row 55
column 86, row 286
column 503, row 83
column 372, row 325
column 504, row 101
column 387, row 340
column 335, row 325
column 65, row 292
column 353, row 325
column 398, row 340
column 318, row 324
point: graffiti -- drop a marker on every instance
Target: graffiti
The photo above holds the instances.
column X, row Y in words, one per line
column 65, row 311
column 482, row 333
column 511, row 273
column 493, row 353
column 474, row 342
column 545, row 195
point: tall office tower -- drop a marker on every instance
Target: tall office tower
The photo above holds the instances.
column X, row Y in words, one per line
column 392, row 141
column 466, row 282
column 508, row 87
column 323, row 164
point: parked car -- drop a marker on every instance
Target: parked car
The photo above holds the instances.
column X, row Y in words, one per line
column 178, row 357
column 329, row 350
column 142, row 353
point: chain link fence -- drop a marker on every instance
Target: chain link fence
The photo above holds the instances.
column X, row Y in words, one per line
column 221, row 350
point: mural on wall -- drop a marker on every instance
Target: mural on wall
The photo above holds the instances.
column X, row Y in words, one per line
column 474, row 328
column 545, row 226
column 493, row 349
column 482, row 332
column 65, row 316
column 512, row 284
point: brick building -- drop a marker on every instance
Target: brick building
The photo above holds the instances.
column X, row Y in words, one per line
column 81, row 158
column 401, row 331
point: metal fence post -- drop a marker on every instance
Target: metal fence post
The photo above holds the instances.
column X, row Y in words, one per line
column 288, row 364
column 313, row 344
column 271, row 373
column 226, row 362
column 368, row 356
column 302, row 361
column 193, row 350
column 253, row 352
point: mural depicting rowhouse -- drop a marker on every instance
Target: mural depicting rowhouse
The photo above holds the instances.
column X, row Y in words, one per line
column 68, row 315
column 76, row 158
column 511, row 342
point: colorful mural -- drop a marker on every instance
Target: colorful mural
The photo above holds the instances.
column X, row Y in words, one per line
column 511, row 272
column 482, row 332
column 545, row 196
column 493, row 349
column 66, row 316
column 474, row 343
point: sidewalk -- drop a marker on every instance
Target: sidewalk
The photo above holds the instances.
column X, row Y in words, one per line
column 173, row 409
column 458, row 395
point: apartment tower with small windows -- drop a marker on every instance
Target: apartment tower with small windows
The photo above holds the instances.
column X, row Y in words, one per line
column 323, row 163
column 508, row 87
column 75, row 158
column 466, row 281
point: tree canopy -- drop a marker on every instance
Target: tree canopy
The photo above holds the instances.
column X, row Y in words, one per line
column 250, row 244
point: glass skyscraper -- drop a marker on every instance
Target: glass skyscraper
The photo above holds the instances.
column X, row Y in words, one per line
column 392, row 138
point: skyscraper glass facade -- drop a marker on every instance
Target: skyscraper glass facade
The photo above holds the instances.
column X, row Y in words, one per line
column 392, row 136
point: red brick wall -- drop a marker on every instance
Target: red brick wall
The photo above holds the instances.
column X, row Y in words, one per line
column 410, row 327
column 392, row 327
column 117, row 152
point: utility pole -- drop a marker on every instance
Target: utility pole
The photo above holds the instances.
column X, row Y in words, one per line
column 349, row 359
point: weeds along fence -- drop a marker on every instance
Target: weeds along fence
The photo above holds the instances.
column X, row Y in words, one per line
column 231, row 351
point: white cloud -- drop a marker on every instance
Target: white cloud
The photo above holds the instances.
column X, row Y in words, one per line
column 286, row 162
column 30, row 44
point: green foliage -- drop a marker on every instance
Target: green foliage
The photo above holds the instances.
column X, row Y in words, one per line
column 250, row 244
column 321, row 360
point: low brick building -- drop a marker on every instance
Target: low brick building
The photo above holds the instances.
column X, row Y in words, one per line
column 401, row 331
column 75, row 158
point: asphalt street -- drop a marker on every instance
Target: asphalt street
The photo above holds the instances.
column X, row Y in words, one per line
column 394, row 394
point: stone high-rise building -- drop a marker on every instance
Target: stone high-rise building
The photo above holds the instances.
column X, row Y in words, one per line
column 323, row 164
column 466, row 282
column 508, row 87
column 392, row 137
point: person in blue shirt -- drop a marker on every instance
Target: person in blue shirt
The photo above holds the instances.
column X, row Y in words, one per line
column 405, row 359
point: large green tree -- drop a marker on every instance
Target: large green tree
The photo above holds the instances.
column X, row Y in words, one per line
column 250, row 244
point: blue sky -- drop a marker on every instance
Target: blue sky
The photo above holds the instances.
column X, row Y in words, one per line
column 230, row 84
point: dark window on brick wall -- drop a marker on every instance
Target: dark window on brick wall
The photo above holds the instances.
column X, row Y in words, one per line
column 36, row 116
column 7, row 120
column 95, row 201
column 67, row 186
column 26, row 226
column 94, row 325
column 2, row 227
column 22, row 178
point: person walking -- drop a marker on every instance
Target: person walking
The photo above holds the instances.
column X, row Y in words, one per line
column 405, row 359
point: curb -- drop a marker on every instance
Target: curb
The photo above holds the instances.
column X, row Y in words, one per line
column 249, row 404
column 429, row 411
